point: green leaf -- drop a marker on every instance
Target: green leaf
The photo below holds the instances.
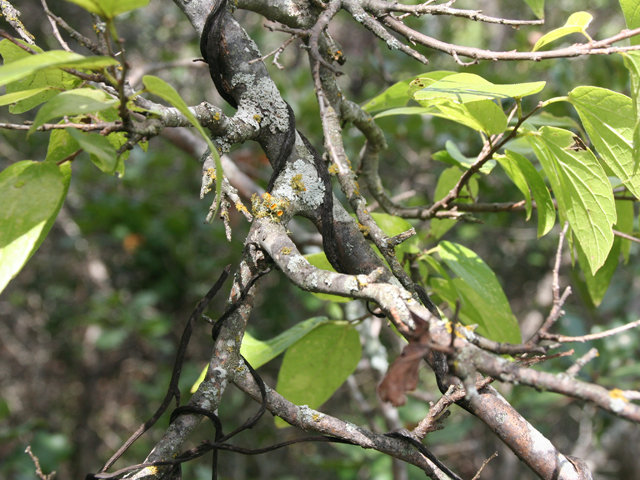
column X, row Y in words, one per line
column 545, row 119
column 73, row 102
column 258, row 352
column 162, row 89
column 392, row 226
column 489, row 115
column 537, row 6
column 397, row 95
column 109, row 9
column 319, row 260
column 631, row 10
column 49, row 81
column 632, row 62
column 404, row 111
column 11, row 72
column 598, row 284
column 498, row 320
column 61, row 145
column 22, row 95
column 608, row 117
column 514, row 173
column 31, row 195
column 467, row 87
column 102, row 153
column 546, row 208
column 454, row 156
column 117, row 139
column 315, row 366
column 582, row 190
column 624, row 209
column 446, row 182
column 577, row 23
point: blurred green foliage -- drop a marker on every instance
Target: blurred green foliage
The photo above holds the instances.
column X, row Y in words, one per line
column 92, row 323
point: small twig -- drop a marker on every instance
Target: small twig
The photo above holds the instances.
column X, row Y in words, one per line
column 527, row 362
column 12, row 16
column 558, row 300
column 276, row 53
column 484, row 464
column 573, row 370
column 54, row 26
column 70, row 158
column 39, row 472
column 626, row 236
column 454, row 322
column 592, row 336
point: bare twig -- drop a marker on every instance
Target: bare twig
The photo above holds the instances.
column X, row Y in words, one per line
column 36, row 462
column 573, row 370
column 626, row 236
column 592, row 336
column 484, row 464
column 54, row 26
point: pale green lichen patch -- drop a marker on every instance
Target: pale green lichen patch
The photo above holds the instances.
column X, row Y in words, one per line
column 300, row 181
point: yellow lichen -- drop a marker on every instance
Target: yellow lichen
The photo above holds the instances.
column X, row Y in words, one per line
column 286, row 250
column 333, row 169
column 268, row 206
column 364, row 229
column 241, row 208
column 617, row 394
column 297, row 184
column 257, row 118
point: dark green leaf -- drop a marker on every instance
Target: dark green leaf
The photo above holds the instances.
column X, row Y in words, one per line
column 544, row 203
column 446, row 182
column 598, row 284
column 624, row 224
column 102, row 153
column 537, row 6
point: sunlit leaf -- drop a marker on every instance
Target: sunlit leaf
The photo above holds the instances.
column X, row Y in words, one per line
column 258, row 352
column 31, row 195
column 581, row 188
column 316, row 365
column 577, row 23
column 632, row 62
column 109, row 9
column 467, row 87
column 496, row 316
column 397, row 95
column 49, row 81
column 11, row 72
column 631, row 10
column 609, row 119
